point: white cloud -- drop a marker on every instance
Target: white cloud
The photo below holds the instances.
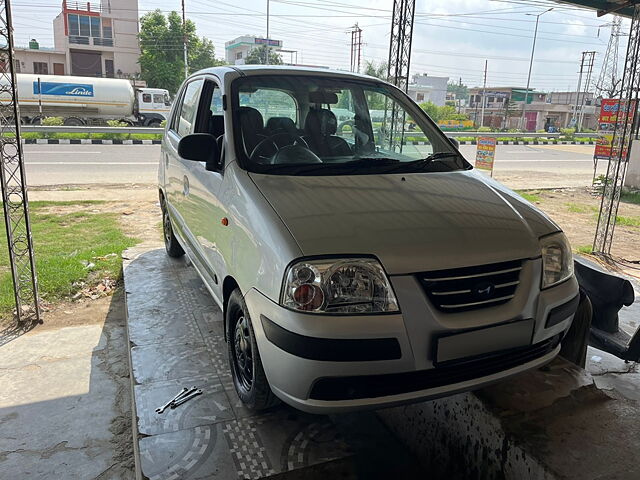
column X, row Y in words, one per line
column 575, row 27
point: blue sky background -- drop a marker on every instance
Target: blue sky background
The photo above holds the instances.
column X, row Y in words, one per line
column 451, row 37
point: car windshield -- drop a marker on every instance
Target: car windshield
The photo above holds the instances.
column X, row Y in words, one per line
column 321, row 125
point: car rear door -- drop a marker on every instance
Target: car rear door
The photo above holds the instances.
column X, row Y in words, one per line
column 177, row 179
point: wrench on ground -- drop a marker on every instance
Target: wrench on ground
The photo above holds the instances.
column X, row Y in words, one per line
column 186, row 398
column 185, row 391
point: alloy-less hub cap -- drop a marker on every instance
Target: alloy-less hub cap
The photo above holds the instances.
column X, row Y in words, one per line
column 243, row 353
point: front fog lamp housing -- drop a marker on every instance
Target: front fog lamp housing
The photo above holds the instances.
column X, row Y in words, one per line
column 557, row 259
column 347, row 286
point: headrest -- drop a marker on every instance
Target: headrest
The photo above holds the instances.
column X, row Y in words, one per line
column 216, row 125
column 281, row 123
column 321, row 121
column 251, row 119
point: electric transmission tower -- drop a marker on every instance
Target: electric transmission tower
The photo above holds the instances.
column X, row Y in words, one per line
column 356, row 48
column 399, row 63
column 608, row 84
column 14, row 189
column 624, row 131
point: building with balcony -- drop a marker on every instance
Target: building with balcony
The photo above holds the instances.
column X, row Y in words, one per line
column 96, row 39
column 503, row 108
column 238, row 49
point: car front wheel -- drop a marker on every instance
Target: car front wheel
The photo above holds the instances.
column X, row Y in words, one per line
column 248, row 375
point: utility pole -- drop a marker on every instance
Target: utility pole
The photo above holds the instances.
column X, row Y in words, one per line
column 533, row 49
column 484, row 92
column 356, row 48
column 590, row 60
column 587, row 61
column 184, row 41
column 266, row 62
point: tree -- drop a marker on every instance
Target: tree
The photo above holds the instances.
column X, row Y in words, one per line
column 258, row 56
column 460, row 90
column 446, row 112
column 161, row 50
column 378, row 70
column 431, row 109
column 509, row 110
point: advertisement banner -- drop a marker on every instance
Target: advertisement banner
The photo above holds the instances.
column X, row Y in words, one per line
column 63, row 89
column 609, row 113
column 486, row 153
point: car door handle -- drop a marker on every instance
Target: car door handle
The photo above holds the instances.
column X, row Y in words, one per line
column 185, row 186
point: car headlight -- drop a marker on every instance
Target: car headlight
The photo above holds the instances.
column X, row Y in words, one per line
column 557, row 259
column 346, row 285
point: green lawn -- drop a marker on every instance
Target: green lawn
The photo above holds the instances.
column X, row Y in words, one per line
column 630, row 197
column 62, row 243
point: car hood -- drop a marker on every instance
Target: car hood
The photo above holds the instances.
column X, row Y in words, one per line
column 412, row 222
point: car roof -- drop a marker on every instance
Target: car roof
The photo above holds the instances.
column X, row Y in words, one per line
column 250, row 70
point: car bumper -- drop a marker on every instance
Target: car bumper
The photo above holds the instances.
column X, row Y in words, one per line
column 325, row 364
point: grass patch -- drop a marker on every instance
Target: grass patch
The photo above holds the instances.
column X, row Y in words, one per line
column 630, row 197
column 628, row 221
column 580, row 208
column 62, row 242
column 529, row 196
column 586, row 249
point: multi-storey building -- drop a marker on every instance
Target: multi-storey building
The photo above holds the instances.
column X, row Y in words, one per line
column 98, row 39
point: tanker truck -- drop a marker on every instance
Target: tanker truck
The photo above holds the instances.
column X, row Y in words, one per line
column 88, row 100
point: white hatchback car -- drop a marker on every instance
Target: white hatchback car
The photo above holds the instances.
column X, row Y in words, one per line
column 359, row 260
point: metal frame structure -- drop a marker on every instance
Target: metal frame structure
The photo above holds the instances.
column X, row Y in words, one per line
column 588, row 60
column 12, row 176
column 623, row 134
column 399, row 62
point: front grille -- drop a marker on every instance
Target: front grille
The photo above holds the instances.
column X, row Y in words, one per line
column 471, row 288
column 372, row 386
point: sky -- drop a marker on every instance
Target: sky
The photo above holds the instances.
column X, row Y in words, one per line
column 451, row 38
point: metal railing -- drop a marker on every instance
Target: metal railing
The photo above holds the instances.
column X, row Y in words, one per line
column 79, row 129
column 160, row 131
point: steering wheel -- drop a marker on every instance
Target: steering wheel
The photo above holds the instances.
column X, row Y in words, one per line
column 269, row 142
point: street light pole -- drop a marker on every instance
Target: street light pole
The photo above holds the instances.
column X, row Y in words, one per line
column 268, row 49
column 184, row 42
column 533, row 49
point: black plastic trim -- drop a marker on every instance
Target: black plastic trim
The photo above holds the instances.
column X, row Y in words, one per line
column 562, row 312
column 373, row 386
column 331, row 349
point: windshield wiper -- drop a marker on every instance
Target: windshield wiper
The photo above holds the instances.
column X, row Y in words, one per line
column 423, row 162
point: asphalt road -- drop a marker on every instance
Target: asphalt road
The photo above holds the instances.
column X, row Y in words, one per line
column 518, row 166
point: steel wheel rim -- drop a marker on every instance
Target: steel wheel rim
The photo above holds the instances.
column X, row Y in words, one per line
column 243, row 353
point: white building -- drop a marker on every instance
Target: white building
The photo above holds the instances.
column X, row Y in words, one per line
column 427, row 88
column 91, row 39
column 237, row 50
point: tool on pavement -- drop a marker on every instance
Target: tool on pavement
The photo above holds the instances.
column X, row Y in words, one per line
column 186, row 398
column 184, row 392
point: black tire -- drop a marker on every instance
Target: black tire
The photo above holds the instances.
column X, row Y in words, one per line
column 154, row 123
column 248, row 375
column 171, row 244
column 73, row 122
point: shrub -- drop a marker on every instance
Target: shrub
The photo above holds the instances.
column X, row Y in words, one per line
column 484, row 129
column 118, row 124
column 53, row 121
column 568, row 132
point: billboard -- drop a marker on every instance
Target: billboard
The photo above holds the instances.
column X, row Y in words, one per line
column 63, row 89
column 609, row 112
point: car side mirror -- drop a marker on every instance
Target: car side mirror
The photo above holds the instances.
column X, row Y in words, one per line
column 454, row 141
column 200, row 147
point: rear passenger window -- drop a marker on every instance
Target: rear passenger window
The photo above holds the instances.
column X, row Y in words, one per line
column 270, row 103
column 189, row 108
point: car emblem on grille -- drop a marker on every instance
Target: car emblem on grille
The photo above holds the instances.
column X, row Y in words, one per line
column 484, row 290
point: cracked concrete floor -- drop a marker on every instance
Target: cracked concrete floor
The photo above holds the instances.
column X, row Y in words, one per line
column 65, row 404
